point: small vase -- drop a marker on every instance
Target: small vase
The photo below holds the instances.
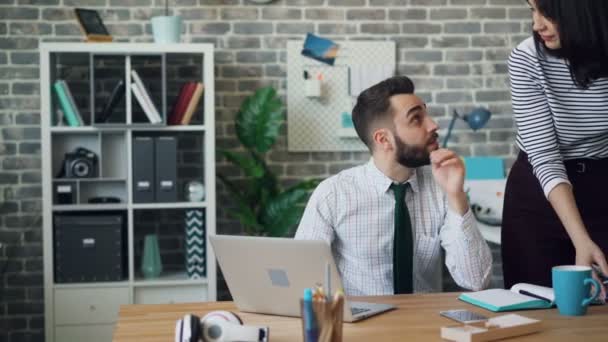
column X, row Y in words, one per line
column 151, row 264
column 167, row 29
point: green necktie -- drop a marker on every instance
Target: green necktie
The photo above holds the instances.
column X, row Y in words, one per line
column 403, row 245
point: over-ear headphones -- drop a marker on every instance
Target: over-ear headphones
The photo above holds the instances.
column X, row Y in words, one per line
column 218, row 326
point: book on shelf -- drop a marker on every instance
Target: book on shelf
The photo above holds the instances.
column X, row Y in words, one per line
column 118, row 93
column 146, row 96
column 65, row 105
column 65, row 87
column 193, row 104
column 144, row 105
column 181, row 103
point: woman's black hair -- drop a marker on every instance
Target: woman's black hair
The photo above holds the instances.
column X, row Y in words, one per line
column 583, row 32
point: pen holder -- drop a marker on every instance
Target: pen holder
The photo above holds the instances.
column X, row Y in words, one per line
column 325, row 324
column 312, row 87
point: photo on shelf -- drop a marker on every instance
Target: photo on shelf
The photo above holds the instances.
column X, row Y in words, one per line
column 92, row 25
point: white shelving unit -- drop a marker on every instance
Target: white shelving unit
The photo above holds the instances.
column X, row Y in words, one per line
column 87, row 311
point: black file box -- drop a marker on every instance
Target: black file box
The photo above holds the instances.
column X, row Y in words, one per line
column 166, row 169
column 143, row 170
column 90, row 248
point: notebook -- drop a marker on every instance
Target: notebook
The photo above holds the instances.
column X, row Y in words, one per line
column 497, row 300
column 521, row 296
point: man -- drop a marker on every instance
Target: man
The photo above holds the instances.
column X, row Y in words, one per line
column 386, row 220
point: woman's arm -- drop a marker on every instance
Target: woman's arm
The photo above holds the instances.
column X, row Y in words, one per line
column 587, row 252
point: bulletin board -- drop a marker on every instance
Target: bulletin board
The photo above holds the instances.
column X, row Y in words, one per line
column 316, row 124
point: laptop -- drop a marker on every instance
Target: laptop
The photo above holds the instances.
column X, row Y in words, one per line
column 269, row 275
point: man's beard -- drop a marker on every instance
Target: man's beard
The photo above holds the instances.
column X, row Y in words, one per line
column 412, row 156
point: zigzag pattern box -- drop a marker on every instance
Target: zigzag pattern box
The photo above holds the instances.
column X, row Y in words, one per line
column 195, row 244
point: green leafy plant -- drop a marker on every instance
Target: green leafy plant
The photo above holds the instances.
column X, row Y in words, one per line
column 263, row 206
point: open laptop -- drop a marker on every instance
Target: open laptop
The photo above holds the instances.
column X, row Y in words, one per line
column 269, row 275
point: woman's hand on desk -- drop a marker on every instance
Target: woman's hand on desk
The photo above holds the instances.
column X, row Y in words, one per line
column 588, row 254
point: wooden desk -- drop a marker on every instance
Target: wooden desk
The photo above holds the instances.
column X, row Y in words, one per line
column 416, row 319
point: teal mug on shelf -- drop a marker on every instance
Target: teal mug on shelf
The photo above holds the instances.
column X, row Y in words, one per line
column 167, row 29
column 572, row 285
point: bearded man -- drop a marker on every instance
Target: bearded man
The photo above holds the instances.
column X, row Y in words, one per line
column 387, row 220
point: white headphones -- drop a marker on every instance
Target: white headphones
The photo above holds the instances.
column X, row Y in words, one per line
column 218, row 326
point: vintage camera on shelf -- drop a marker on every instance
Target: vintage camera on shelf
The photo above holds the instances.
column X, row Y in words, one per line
column 80, row 163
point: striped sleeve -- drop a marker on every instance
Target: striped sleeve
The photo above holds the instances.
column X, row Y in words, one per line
column 536, row 129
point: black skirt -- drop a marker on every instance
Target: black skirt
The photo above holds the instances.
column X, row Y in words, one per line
column 533, row 240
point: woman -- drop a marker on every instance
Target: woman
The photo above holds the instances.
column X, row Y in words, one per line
column 556, row 210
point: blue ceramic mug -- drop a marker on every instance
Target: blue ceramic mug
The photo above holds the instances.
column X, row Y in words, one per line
column 572, row 285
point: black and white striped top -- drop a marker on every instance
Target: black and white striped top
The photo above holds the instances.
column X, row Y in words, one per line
column 556, row 121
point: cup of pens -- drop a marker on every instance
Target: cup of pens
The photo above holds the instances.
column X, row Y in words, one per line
column 322, row 314
column 312, row 85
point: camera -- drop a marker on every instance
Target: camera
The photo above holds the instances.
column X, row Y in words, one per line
column 80, row 163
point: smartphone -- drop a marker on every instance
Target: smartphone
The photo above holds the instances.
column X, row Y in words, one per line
column 463, row 316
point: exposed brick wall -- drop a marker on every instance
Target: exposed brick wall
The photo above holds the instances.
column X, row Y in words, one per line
column 455, row 50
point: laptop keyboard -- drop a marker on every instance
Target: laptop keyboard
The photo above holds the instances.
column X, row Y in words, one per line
column 356, row 311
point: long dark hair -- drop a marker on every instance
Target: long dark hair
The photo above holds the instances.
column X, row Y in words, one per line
column 583, row 32
column 374, row 104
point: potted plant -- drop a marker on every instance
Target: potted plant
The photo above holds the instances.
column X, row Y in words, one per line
column 167, row 29
column 263, row 206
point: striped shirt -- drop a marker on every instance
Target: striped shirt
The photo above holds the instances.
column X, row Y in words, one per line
column 556, row 121
column 354, row 212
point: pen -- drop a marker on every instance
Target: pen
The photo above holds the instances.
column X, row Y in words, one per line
column 310, row 324
column 524, row 292
column 328, row 282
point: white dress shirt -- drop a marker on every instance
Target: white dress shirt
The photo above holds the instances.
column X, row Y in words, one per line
column 354, row 212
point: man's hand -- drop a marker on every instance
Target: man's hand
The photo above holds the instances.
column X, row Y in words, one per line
column 448, row 171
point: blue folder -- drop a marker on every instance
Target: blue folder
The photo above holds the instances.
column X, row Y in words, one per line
column 484, row 168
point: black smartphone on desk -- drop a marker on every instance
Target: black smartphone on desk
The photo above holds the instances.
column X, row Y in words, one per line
column 463, row 316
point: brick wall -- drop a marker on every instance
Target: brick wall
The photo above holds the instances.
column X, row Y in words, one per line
column 455, row 50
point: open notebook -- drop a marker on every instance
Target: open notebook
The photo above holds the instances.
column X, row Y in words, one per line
column 520, row 297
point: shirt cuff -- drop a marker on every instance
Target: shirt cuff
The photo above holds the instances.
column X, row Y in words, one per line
column 552, row 184
column 464, row 225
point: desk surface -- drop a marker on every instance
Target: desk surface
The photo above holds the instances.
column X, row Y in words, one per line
column 416, row 318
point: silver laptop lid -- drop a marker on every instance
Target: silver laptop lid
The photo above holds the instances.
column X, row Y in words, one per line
column 269, row 275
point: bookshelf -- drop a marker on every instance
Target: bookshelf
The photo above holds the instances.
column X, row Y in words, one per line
column 88, row 309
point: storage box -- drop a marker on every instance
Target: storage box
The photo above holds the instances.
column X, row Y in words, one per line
column 90, row 248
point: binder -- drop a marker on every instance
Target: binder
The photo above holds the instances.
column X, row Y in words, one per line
column 166, row 169
column 143, row 170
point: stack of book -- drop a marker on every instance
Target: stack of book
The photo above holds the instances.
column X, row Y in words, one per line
column 144, row 99
column 186, row 103
column 67, row 105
